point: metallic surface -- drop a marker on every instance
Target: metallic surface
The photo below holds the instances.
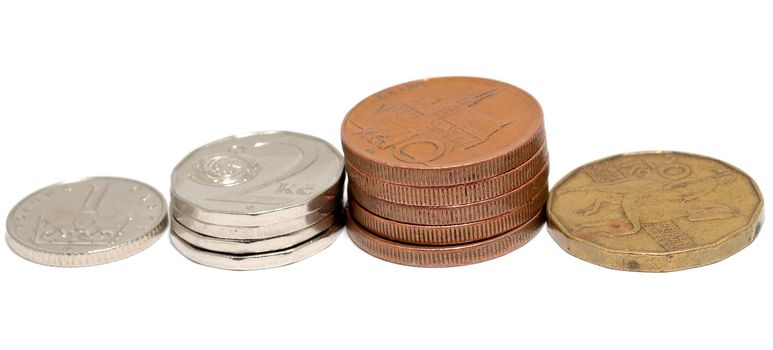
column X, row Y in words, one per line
column 256, row 232
column 86, row 222
column 257, row 179
column 450, row 195
column 251, row 246
column 260, row 260
column 655, row 211
column 447, row 234
column 442, row 131
column 444, row 256
column 451, row 215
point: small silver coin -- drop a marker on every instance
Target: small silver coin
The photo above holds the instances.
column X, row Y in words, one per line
column 257, row 261
column 257, row 179
column 86, row 222
column 252, row 246
column 256, row 232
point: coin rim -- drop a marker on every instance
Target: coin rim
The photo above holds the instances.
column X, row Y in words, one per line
column 252, row 246
column 467, row 193
column 248, row 262
column 459, row 255
column 412, row 234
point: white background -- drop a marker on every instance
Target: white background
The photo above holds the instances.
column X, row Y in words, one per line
column 128, row 88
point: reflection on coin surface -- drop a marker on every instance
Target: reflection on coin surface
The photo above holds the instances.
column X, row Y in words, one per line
column 247, row 246
column 655, row 211
column 258, row 260
column 86, row 222
column 257, row 179
column 255, row 232
column 442, row 131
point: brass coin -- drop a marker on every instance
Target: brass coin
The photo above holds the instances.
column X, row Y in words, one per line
column 447, row 234
column 444, row 256
column 655, row 211
column 451, row 215
column 442, row 131
column 450, row 195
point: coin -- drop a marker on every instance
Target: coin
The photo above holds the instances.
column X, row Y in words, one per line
column 450, row 215
column 447, row 234
column 256, row 232
column 257, row 179
column 444, row 256
column 259, row 260
column 450, row 195
column 249, row 246
column 655, row 211
column 442, row 131
column 85, row 222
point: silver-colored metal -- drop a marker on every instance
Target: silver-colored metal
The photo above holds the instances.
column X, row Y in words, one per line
column 251, row 246
column 260, row 260
column 257, row 232
column 88, row 221
column 257, row 179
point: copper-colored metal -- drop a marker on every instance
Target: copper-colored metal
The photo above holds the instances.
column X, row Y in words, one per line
column 451, row 215
column 444, row 256
column 442, row 131
column 447, row 234
column 450, row 195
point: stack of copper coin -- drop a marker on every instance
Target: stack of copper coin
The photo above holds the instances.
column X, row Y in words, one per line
column 445, row 171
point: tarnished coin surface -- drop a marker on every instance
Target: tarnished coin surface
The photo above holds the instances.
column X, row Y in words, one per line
column 257, row 179
column 442, row 131
column 257, row 261
column 655, row 211
column 86, row 222
column 249, row 246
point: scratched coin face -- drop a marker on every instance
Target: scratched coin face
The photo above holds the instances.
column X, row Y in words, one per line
column 442, row 131
column 655, row 211
column 86, row 222
column 247, row 180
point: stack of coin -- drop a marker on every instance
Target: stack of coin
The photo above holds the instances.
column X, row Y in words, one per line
column 445, row 171
column 256, row 201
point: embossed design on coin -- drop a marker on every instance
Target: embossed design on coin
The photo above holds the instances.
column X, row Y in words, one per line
column 226, row 169
column 86, row 222
column 656, row 211
column 408, row 133
column 234, row 180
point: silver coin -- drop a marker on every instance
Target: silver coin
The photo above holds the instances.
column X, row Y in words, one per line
column 86, row 222
column 256, row 232
column 260, row 260
column 252, row 246
column 257, row 179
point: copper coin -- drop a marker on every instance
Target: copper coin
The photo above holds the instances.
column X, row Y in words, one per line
column 442, row 131
column 444, row 256
column 451, row 215
column 447, row 234
column 450, row 195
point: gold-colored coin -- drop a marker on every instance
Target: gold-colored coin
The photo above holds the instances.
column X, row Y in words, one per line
column 655, row 211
